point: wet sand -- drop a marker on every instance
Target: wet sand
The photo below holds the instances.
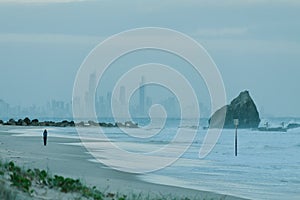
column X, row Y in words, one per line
column 72, row 161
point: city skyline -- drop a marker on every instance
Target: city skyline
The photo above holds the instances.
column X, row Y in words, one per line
column 52, row 109
column 138, row 107
column 255, row 45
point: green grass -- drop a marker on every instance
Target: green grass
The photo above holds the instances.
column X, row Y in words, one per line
column 18, row 177
column 25, row 179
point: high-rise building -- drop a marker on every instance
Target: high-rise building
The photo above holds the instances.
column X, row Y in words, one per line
column 108, row 104
column 89, row 100
column 92, row 83
column 122, row 96
column 142, row 96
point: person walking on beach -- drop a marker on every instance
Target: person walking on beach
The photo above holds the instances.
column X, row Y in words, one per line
column 45, row 137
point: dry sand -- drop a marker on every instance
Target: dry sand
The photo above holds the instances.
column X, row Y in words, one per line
column 72, row 161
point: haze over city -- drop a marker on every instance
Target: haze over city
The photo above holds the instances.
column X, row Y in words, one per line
column 139, row 99
column 255, row 45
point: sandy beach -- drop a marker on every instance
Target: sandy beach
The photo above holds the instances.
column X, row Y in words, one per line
column 72, row 161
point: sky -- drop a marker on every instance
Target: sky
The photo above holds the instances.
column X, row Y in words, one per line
column 255, row 44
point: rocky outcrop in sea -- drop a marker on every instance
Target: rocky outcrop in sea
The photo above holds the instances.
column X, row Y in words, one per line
column 242, row 108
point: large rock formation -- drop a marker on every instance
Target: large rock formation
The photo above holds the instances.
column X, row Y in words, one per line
column 242, row 108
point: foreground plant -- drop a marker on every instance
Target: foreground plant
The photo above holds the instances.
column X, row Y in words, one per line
column 26, row 180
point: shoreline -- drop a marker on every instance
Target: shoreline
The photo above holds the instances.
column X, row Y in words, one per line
column 72, row 161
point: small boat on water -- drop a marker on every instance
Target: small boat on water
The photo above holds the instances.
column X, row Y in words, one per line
column 273, row 129
column 281, row 128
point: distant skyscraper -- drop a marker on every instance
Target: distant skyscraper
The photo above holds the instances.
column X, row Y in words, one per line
column 108, row 98
column 122, row 95
column 92, row 83
column 108, row 104
column 142, row 96
column 148, row 102
column 89, row 100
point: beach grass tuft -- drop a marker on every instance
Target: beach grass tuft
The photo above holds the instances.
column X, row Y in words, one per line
column 24, row 179
column 28, row 181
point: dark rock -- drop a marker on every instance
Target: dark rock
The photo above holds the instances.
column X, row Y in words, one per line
column 293, row 125
column 80, row 124
column 35, row 122
column 11, row 122
column 92, row 123
column 242, row 108
column 42, row 124
column 130, row 124
column 58, row 124
column 102, row 124
column 27, row 121
column 47, row 123
column 110, row 125
column 64, row 123
column 20, row 122
column 51, row 123
column 72, row 123
column 119, row 124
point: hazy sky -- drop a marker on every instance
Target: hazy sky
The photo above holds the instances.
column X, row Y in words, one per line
column 255, row 44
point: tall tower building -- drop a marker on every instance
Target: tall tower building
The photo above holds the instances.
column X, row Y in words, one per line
column 92, row 83
column 89, row 101
column 108, row 104
column 142, row 97
column 122, row 96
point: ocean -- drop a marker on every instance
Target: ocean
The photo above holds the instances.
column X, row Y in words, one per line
column 267, row 165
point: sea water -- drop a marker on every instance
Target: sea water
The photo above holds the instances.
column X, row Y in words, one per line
column 267, row 165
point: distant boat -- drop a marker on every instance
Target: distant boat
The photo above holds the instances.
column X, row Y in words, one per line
column 273, row 129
